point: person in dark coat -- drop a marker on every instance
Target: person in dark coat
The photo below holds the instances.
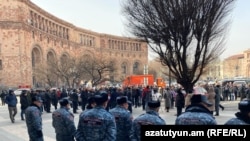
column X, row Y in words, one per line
column 11, row 100
column 47, row 101
column 2, row 96
column 64, row 93
column 218, row 92
column 54, row 98
column 84, row 98
column 24, row 103
column 179, row 101
column 74, row 98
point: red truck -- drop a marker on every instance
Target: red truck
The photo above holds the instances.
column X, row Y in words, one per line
column 134, row 80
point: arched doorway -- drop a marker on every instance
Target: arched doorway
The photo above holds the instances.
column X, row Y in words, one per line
column 36, row 60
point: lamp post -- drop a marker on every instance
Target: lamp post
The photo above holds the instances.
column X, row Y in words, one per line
column 236, row 70
column 145, row 71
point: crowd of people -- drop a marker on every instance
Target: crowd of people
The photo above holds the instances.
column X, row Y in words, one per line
column 106, row 113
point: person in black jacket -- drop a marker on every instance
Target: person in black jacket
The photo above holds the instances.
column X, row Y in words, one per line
column 24, row 103
column 180, row 101
column 47, row 102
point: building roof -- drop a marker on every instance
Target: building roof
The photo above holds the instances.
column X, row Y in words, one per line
column 237, row 56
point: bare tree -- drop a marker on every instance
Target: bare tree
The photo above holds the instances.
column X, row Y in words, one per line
column 96, row 68
column 186, row 34
column 68, row 70
column 44, row 75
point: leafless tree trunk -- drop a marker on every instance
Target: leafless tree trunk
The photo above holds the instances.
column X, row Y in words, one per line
column 96, row 67
column 186, row 34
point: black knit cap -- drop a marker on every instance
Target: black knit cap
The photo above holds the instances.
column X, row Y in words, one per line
column 244, row 105
column 91, row 100
column 154, row 104
column 101, row 98
column 122, row 99
column 36, row 98
column 64, row 102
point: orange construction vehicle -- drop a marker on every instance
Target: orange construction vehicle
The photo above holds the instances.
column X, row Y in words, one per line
column 160, row 83
column 134, row 80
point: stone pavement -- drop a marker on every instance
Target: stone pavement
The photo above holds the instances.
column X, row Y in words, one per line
column 18, row 132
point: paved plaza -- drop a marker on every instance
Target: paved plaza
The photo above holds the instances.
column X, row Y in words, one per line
column 18, row 132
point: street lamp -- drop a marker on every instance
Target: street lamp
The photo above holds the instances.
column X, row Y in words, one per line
column 236, row 70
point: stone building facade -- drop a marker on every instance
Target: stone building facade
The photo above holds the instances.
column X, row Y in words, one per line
column 237, row 66
column 29, row 35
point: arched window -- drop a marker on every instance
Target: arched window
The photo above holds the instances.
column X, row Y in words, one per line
column 124, row 68
column 136, row 67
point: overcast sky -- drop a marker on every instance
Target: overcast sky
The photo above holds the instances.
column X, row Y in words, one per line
column 104, row 16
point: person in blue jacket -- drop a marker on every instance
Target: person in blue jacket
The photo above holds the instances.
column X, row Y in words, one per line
column 97, row 124
column 63, row 122
column 11, row 100
column 123, row 119
column 33, row 120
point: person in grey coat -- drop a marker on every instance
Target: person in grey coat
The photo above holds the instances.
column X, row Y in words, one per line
column 33, row 118
column 243, row 116
column 97, row 124
column 123, row 119
column 167, row 98
column 197, row 113
column 151, row 117
column 63, row 122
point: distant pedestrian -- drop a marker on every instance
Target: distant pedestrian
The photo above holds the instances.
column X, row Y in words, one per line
column 179, row 101
column 11, row 100
column 24, row 103
column 54, row 98
column 47, row 102
column 33, row 118
column 63, row 122
column 151, row 117
column 97, row 124
column 146, row 96
column 211, row 97
column 156, row 96
column 243, row 116
column 167, row 95
column 3, row 96
column 123, row 119
column 218, row 97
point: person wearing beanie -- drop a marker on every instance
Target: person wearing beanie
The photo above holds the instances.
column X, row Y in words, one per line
column 91, row 103
column 151, row 117
column 33, row 116
column 123, row 119
column 197, row 113
column 63, row 121
column 243, row 116
column 97, row 123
